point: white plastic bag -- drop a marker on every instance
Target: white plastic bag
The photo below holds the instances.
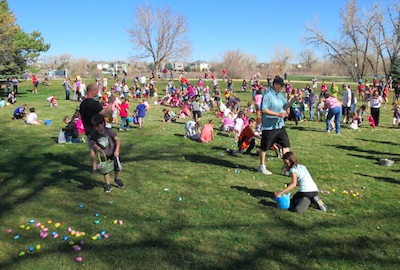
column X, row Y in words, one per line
column 61, row 137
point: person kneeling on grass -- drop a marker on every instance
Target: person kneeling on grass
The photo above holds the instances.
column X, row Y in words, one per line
column 246, row 138
column 105, row 140
column 308, row 190
column 71, row 131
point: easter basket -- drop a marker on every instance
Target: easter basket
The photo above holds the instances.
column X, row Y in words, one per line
column 106, row 166
column 386, row 162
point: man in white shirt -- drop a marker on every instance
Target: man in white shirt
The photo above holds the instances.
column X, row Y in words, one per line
column 346, row 103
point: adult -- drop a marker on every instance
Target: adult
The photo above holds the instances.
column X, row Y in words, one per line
column 142, row 80
column 15, row 85
column 274, row 108
column 334, row 108
column 346, row 103
column 89, row 108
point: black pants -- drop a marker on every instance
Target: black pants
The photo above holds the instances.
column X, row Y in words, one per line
column 375, row 115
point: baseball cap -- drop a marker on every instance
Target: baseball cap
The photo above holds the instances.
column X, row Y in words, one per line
column 278, row 80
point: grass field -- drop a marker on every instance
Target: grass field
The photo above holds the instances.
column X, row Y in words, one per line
column 188, row 205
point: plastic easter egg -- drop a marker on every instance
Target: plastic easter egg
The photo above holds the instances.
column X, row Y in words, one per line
column 96, row 214
column 31, row 221
column 9, row 230
column 45, row 235
column 81, row 205
column 78, row 234
column 333, row 190
column 49, row 221
column 65, row 238
column 27, row 228
column 94, row 237
column 72, row 233
column 69, row 229
column 57, row 225
column 22, row 226
column 102, row 232
column 31, row 248
column 81, row 242
column 55, row 236
column 83, row 233
column 45, row 229
column 115, row 221
column 71, row 243
column 38, row 224
column 105, row 236
column 41, row 226
column 96, row 221
column 99, row 237
column 76, row 247
column 79, row 259
column 21, row 253
column 17, row 236
column 120, row 222
column 38, row 247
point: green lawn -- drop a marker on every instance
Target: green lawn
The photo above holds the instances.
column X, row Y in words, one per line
column 185, row 206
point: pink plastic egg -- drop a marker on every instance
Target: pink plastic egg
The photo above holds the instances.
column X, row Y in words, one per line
column 9, row 231
column 79, row 259
column 120, row 222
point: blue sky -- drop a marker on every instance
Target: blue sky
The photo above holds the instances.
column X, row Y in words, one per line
column 96, row 29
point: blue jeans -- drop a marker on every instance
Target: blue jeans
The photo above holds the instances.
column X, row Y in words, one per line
column 312, row 113
column 69, row 138
column 124, row 122
column 337, row 113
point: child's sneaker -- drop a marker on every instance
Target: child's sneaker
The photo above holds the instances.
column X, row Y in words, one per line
column 119, row 183
column 107, row 188
column 320, row 204
column 121, row 129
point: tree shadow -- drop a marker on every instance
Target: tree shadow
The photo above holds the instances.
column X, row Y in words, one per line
column 381, row 178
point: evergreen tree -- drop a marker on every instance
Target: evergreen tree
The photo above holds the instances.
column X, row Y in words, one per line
column 395, row 71
column 17, row 48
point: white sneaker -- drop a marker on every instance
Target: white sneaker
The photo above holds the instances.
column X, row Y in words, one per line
column 262, row 169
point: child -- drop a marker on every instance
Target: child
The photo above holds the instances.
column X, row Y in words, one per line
column 107, row 140
column 227, row 123
column 355, row 121
column 207, row 133
column 192, row 130
column 12, row 98
column 246, row 138
column 71, row 132
column 115, row 109
column 141, row 112
column 308, row 190
column 124, row 112
column 238, row 125
column 396, row 113
column 32, row 118
column 169, row 116
column 53, row 101
column 20, row 112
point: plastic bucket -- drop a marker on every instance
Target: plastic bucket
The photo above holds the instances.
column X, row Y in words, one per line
column 130, row 119
column 47, row 122
column 283, row 202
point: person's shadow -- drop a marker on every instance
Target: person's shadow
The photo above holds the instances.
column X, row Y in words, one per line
column 259, row 194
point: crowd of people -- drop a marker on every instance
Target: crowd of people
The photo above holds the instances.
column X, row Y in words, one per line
column 263, row 118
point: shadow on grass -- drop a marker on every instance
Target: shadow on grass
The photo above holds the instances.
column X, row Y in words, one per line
column 380, row 178
column 258, row 193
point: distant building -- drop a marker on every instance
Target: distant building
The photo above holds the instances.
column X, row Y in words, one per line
column 199, row 66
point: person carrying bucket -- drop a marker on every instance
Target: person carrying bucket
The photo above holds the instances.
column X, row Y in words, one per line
column 308, row 190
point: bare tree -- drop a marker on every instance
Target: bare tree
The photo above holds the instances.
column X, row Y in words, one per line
column 367, row 39
column 238, row 63
column 159, row 34
column 307, row 58
column 280, row 59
